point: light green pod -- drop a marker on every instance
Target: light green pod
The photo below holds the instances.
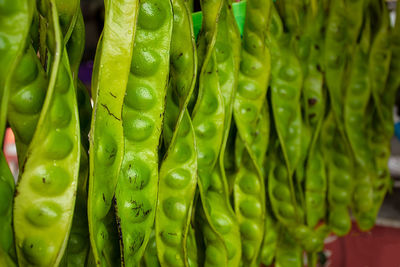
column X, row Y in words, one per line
column 177, row 184
column 191, row 247
column 280, row 189
column 110, row 79
column 68, row 12
column 270, row 241
column 338, row 162
column 254, row 68
column 178, row 172
column 249, row 191
column 78, row 242
column 44, row 204
column 286, row 84
column 150, row 258
column 336, row 38
column 381, row 133
column 143, row 109
column 76, row 45
column 7, row 187
column 288, row 253
column 183, row 67
column 27, row 94
column 356, row 115
column 379, row 60
column 315, row 187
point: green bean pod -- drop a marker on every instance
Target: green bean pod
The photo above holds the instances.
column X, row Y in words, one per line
column 7, row 187
column 216, row 253
column 314, row 101
column 183, row 67
column 106, row 135
column 227, row 51
column 288, row 252
column 177, row 185
column 249, row 192
column 280, row 188
column 356, row 117
column 339, row 167
column 179, row 167
column 379, row 61
column 68, row 12
column 336, row 38
column 27, row 94
column 270, row 241
column 191, row 247
column 150, row 258
column 136, row 192
column 393, row 81
column 254, row 69
column 76, row 45
column 380, row 146
column 315, row 186
column 78, row 242
column 314, row 104
column 354, row 17
column 381, row 132
column 208, row 121
column 286, row 83
column 42, row 226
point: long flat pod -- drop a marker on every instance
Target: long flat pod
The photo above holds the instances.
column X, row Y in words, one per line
column 379, row 60
column 15, row 21
column 23, row 113
column 208, row 121
column 143, row 109
column 335, row 41
column 381, row 133
column 249, row 191
column 227, row 52
column 254, row 69
column 178, row 176
column 46, row 190
column 338, row 162
column 183, row 67
column 106, row 135
column 288, row 252
column 178, row 173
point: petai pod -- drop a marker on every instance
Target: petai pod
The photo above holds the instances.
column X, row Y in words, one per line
column 150, row 258
column 106, row 134
column 288, row 253
column 175, row 197
column 208, row 121
column 254, row 68
column 381, row 131
column 249, row 191
column 183, row 67
column 143, row 109
column 178, row 173
column 379, row 61
column 338, row 162
column 42, row 226
column 335, row 41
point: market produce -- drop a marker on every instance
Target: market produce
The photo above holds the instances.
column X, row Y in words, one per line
column 208, row 149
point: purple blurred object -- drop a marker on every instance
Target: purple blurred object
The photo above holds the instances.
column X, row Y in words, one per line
column 85, row 73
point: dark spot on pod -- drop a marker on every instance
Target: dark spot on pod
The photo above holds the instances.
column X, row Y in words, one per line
column 312, row 101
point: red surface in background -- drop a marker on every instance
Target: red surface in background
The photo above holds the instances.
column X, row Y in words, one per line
column 379, row 247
